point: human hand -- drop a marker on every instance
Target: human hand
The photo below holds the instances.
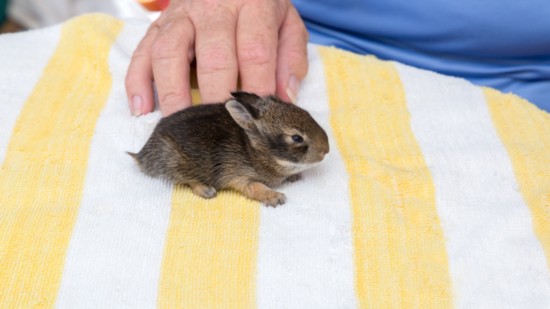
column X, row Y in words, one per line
column 262, row 42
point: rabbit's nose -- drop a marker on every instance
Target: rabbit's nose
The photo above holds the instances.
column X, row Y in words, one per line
column 326, row 149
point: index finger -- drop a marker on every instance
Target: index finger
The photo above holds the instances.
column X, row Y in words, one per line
column 139, row 77
column 171, row 56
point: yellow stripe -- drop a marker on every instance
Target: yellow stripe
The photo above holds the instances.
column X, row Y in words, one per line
column 525, row 132
column 399, row 249
column 211, row 251
column 44, row 169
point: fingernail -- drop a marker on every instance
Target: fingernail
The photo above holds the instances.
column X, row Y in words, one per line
column 292, row 88
column 137, row 105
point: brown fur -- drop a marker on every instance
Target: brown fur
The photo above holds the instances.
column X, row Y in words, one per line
column 244, row 144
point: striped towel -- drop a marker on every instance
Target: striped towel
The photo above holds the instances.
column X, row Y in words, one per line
column 436, row 193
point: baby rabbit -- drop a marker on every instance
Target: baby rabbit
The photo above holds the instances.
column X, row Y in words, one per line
column 249, row 144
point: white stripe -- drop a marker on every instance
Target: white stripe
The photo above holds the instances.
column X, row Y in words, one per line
column 23, row 57
column 494, row 257
column 305, row 252
column 115, row 254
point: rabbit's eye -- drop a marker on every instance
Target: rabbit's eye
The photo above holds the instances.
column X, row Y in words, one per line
column 297, row 138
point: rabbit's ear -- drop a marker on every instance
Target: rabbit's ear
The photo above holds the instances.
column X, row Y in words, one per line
column 246, row 97
column 254, row 103
column 243, row 114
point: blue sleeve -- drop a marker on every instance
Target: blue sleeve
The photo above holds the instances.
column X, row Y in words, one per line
column 503, row 44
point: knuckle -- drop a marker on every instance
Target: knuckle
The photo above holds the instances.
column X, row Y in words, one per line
column 171, row 40
column 297, row 59
column 304, row 34
column 217, row 6
column 214, row 58
column 299, row 30
column 255, row 54
column 133, row 78
column 211, row 4
column 172, row 99
column 297, row 54
column 165, row 48
column 140, row 52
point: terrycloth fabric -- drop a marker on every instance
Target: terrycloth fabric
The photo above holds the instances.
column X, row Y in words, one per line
column 436, row 193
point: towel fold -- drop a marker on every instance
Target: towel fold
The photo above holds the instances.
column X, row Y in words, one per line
column 436, row 193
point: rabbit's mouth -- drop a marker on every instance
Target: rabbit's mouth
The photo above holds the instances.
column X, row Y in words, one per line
column 294, row 167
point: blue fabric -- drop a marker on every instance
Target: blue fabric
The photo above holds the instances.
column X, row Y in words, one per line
column 503, row 44
column 3, row 9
